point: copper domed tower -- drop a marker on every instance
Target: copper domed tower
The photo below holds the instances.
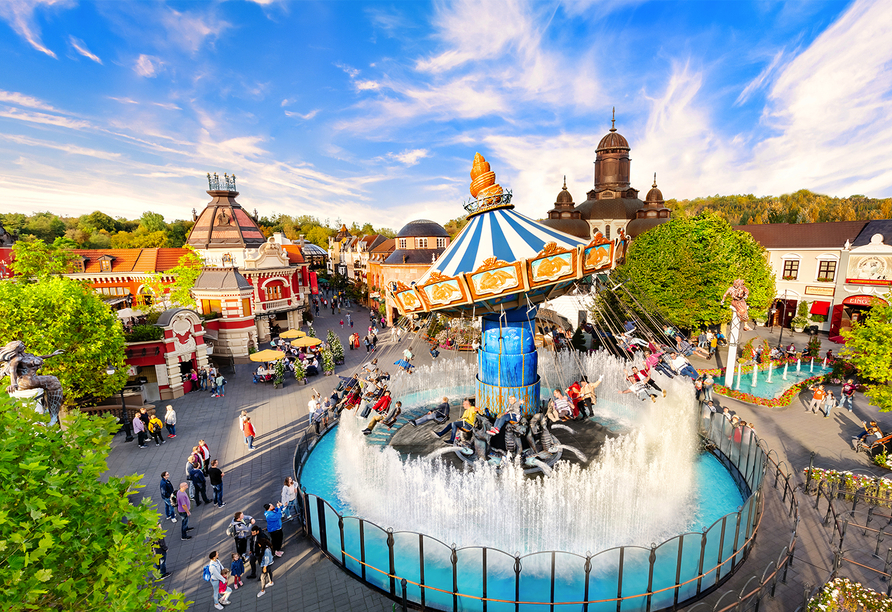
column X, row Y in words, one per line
column 612, row 161
column 564, row 217
column 652, row 214
column 223, row 222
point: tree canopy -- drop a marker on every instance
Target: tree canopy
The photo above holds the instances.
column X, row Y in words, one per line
column 34, row 258
column 61, row 313
column 185, row 273
column 869, row 348
column 98, row 230
column 72, row 539
column 683, row 267
column 802, row 206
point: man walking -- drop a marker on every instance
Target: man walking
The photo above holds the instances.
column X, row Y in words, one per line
column 167, row 494
column 215, row 475
column 257, row 534
column 848, row 395
column 184, row 507
column 817, row 399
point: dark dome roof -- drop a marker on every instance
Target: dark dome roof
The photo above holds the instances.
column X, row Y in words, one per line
column 564, row 198
column 311, row 249
column 574, row 227
column 614, row 208
column 613, row 140
column 422, row 228
column 637, row 227
column 654, row 195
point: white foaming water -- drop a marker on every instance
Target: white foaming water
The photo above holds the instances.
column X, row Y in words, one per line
column 637, row 491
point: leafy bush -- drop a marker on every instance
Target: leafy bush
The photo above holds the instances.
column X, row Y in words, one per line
column 311, row 332
column 327, row 360
column 144, row 333
column 843, row 594
column 72, row 539
column 300, row 371
column 337, row 349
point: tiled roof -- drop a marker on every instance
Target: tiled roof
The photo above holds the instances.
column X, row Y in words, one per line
column 132, row 260
column 880, row 226
column 294, row 254
column 804, row 235
column 413, row 256
column 385, row 247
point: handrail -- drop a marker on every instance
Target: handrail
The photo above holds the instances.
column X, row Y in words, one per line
column 751, row 471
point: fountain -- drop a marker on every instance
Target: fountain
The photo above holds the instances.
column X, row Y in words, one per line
column 811, row 366
column 786, row 364
column 755, row 374
column 770, row 370
column 412, row 517
column 798, row 364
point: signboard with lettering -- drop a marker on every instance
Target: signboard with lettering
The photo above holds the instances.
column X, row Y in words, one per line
column 870, row 269
column 814, row 290
column 862, row 300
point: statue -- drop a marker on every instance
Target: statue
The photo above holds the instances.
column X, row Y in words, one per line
column 21, row 367
column 739, row 293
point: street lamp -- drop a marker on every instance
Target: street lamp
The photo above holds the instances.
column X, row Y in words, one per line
column 780, row 340
column 125, row 422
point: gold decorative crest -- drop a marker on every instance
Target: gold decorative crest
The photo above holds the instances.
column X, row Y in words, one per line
column 490, row 263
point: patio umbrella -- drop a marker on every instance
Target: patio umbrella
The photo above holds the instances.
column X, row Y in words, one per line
column 266, row 355
column 306, row 341
column 292, row 333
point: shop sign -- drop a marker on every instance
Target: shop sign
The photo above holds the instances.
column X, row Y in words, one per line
column 824, row 291
column 861, row 300
column 868, row 281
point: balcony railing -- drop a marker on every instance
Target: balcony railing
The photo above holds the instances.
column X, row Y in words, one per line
column 273, row 305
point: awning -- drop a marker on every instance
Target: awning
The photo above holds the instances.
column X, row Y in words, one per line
column 820, row 308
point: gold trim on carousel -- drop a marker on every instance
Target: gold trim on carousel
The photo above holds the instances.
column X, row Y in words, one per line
column 546, row 276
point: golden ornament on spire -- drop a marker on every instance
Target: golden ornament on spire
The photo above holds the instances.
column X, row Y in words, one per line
column 483, row 182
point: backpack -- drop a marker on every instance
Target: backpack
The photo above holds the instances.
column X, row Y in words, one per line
column 206, row 573
column 230, row 531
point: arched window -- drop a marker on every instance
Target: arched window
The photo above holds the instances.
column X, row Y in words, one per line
column 607, row 231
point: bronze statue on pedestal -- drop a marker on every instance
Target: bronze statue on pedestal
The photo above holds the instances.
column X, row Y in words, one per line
column 21, row 367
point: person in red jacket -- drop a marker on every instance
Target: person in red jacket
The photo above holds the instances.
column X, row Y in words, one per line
column 248, row 430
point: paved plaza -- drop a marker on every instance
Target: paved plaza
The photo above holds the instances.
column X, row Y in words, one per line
column 306, row 581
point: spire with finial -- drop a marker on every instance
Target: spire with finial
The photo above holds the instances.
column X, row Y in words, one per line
column 565, row 181
column 655, row 180
column 613, row 120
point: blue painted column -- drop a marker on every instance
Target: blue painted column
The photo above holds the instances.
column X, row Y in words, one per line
column 507, row 362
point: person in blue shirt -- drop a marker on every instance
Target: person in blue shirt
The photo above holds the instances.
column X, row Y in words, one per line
column 273, row 516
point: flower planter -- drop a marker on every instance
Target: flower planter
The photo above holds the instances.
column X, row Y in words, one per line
column 798, row 330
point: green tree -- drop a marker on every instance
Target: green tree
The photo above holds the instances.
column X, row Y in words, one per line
column 683, row 267
column 318, row 236
column 61, row 313
column 72, row 539
column 869, row 348
column 152, row 222
column 34, row 258
column 44, row 225
column 185, row 273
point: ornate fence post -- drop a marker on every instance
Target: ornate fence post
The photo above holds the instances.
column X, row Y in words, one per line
column 392, row 569
column 811, row 464
column 405, row 595
column 588, row 570
column 517, row 569
column 454, row 558
column 650, row 573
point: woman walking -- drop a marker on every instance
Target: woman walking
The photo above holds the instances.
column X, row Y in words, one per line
column 266, row 565
column 170, row 421
column 289, row 499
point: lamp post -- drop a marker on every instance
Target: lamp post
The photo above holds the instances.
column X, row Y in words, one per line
column 125, row 422
column 780, row 340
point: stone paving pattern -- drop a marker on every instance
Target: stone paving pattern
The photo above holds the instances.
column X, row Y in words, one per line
column 305, row 580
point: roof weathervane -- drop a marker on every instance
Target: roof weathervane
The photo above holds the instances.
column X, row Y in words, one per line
column 227, row 183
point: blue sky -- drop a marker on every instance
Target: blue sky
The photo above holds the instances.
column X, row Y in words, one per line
column 365, row 111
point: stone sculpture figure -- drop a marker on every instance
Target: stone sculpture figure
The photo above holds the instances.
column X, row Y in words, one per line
column 22, row 367
column 738, row 294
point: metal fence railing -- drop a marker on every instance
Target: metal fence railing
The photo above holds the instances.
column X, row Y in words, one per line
column 424, row 572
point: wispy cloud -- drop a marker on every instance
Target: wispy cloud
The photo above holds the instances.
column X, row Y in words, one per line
column 43, row 118
column 20, row 16
column 122, row 100
column 167, row 105
column 20, row 99
column 409, row 157
column 81, row 48
column 147, row 65
column 65, row 148
column 761, row 81
column 304, row 116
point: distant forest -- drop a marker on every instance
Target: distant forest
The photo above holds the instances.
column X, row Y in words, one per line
column 802, row 206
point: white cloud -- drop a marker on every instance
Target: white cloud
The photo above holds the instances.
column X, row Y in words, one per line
column 190, row 30
column 20, row 99
column 763, row 79
column 167, row 105
column 367, row 85
column 81, row 48
column 409, row 157
column 147, row 65
column 65, row 148
column 304, row 116
column 123, row 100
column 20, row 15
column 43, row 118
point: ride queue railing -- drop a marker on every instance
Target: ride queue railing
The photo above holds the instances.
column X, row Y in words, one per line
column 421, row 571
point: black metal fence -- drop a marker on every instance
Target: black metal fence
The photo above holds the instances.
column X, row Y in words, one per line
column 424, row 572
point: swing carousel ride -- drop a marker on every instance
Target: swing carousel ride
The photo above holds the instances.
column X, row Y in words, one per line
column 633, row 472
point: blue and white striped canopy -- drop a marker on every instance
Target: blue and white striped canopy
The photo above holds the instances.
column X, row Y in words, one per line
column 501, row 233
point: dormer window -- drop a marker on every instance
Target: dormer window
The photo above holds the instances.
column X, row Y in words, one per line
column 80, row 264
column 105, row 263
column 402, row 243
column 421, row 243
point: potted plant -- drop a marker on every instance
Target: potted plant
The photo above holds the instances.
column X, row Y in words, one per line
column 801, row 319
column 337, row 349
column 279, row 378
column 328, row 364
column 300, row 372
column 311, row 332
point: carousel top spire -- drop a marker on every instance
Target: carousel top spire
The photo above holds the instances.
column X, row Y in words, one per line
column 486, row 192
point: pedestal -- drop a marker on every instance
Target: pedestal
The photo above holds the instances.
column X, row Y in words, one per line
column 733, row 338
column 507, row 362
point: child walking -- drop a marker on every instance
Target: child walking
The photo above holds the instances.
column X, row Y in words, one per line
column 237, row 568
column 225, row 591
